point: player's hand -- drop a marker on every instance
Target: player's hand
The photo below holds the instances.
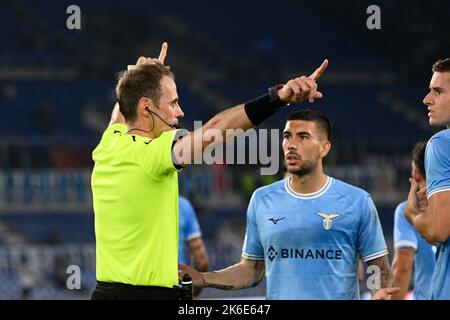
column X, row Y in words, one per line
column 303, row 88
column 417, row 201
column 197, row 278
column 160, row 59
column 385, row 293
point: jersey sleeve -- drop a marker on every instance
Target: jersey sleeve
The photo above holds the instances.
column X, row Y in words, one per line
column 437, row 164
column 192, row 225
column 405, row 235
column 156, row 155
column 370, row 242
column 252, row 249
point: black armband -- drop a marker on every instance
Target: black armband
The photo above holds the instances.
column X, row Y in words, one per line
column 263, row 107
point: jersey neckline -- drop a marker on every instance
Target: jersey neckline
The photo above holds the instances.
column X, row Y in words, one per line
column 308, row 196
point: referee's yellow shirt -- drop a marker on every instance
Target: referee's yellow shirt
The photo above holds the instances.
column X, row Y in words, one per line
column 135, row 195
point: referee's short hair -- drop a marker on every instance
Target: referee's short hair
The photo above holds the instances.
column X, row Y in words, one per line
column 142, row 81
column 322, row 122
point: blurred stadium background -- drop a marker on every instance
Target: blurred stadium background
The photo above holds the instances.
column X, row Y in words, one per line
column 57, row 93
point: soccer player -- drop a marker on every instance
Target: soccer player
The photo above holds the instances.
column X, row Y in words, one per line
column 307, row 231
column 191, row 235
column 135, row 177
column 428, row 209
column 410, row 248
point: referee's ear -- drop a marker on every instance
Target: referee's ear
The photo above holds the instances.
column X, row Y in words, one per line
column 144, row 104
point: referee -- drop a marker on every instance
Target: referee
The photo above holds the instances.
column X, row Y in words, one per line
column 135, row 177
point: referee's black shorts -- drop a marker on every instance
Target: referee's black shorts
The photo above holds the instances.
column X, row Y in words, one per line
column 121, row 291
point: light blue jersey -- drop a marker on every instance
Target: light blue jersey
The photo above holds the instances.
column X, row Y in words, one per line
column 189, row 227
column 311, row 243
column 437, row 168
column 405, row 236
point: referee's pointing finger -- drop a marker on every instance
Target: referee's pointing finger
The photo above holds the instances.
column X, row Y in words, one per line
column 163, row 53
column 318, row 72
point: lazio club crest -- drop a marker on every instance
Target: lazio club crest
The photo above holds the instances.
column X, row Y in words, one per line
column 327, row 222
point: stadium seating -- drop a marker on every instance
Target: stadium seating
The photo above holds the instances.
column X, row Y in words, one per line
column 53, row 228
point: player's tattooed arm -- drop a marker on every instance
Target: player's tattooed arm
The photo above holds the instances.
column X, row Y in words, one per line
column 385, row 272
column 245, row 274
column 383, row 292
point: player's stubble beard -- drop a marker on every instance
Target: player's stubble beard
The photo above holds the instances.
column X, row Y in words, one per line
column 305, row 168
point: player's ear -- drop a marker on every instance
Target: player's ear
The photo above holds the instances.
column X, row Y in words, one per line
column 325, row 148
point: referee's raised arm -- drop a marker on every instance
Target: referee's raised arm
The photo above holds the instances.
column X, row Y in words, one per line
column 248, row 115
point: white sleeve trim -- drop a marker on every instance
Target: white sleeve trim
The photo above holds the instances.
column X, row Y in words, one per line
column 194, row 235
column 405, row 244
column 250, row 256
column 441, row 189
column 375, row 255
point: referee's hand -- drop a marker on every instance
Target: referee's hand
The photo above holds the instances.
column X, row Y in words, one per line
column 302, row 88
column 197, row 278
column 160, row 59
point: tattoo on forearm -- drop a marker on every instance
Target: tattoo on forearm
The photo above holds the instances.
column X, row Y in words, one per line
column 385, row 274
column 240, row 284
column 238, row 281
column 221, row 286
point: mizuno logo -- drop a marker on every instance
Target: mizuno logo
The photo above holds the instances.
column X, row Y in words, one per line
column 328, row 219
column 275, row 221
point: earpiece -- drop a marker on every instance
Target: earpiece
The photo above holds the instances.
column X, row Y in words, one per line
column 152, row 112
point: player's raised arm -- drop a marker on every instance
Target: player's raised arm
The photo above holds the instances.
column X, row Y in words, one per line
column 247, row 115
column 245, row 274
column 430, row 217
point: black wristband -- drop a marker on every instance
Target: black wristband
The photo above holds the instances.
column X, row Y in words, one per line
column 263, row 107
